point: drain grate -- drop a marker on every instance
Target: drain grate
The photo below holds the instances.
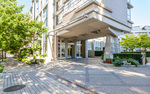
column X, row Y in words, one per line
column 14, row 88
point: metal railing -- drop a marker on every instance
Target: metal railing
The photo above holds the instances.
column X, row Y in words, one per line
column 71, row 4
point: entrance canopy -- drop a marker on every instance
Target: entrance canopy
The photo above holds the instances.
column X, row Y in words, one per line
column 91, row 28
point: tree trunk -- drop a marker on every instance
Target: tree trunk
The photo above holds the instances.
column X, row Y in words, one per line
column 5, row 54
column 2, row 56
column 132, row 50
column 145, row 49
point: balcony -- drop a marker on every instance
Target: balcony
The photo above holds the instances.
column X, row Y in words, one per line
column 86, row 19
column 129, row 4
column 76, row 4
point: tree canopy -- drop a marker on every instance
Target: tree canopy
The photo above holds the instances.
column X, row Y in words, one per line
column 16, row 29
column 131, row 42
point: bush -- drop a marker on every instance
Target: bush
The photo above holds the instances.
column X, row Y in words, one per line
column 117, row 58
column 29, row 62
column 42, row 60
column 133, row 62
column 99, row 53
column 117, row 63
column 102, row 57
column 43, row 55
column 147, row 53
column 108, row 60
column 24, row 53
column 135, row 56
column 146, row 61
column 1, row 68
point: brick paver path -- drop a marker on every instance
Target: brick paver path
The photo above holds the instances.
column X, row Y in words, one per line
column 36, row 81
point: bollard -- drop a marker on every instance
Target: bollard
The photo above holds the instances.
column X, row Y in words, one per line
column 143, row 58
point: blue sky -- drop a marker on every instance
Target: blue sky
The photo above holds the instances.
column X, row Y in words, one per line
column 140, row 12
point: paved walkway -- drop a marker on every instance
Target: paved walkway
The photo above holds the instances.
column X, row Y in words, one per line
column 104, row 79
column 36, row 81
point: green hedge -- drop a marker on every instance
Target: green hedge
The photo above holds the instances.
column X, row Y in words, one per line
column 136, row 56
column 99, row 53
column 147, row 53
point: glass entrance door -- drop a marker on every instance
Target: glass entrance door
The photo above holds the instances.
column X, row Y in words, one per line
column 70, row 50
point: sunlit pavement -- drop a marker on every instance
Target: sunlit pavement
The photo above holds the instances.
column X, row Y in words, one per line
column 104, row 78
column 36, row 81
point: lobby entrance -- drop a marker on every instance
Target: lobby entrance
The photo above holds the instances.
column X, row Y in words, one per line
column 69, row 48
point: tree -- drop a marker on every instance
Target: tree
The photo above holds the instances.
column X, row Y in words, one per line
column 144, row 41
column 16, row 29
column 130, row 42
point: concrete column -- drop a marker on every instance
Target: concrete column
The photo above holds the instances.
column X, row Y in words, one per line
column 49, row 49
column 83, row 48
column 60, row 47
column 111, row 46
column 93, row 46
column 75, row 49
column 55, row 47
column 86, row 48
column 66, row 48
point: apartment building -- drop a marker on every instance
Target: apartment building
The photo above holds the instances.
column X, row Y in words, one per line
column 74, row 22
column 42, row 10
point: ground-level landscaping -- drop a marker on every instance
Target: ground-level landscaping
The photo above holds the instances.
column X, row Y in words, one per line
column 1, row 68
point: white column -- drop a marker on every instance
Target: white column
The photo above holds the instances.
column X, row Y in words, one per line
column 49, row 49
column 86, row 48
column 93, row 46
column 60, row 47
column 55, row 47
column 75, row 49
column 111, row 46
column 66, row 48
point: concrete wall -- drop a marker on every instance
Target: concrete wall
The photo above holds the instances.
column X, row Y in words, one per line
column 119, row 9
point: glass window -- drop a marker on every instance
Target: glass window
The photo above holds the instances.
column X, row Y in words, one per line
column 46, row 22
column 59, row 4
column 59, row 18
column 97, row 45
column 129, row 13
column 46, row 12
column 41, row 4
column 89, row 45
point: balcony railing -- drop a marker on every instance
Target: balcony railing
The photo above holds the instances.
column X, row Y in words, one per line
column 129, row 1
column 70, row 5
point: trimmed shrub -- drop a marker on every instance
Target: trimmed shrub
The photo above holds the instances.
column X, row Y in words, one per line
column 133, row 62
column 136, row 56
column 117, row 63
column 147, row 53
column 99, row 53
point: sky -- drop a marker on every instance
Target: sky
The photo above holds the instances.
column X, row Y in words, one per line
column 140, row 13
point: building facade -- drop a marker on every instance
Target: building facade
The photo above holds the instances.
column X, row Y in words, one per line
column 73, row 22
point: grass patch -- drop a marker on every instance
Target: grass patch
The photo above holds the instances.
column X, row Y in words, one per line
column 1, row 68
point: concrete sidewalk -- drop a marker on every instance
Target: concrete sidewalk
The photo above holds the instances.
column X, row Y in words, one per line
column 104, row 79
